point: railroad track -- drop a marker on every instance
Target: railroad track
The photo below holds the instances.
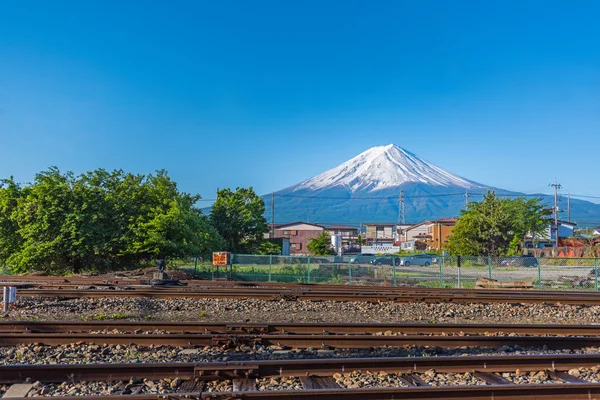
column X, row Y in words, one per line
column 316, row 377
column 300, row 336
column 132, row 283
column 349, row 294
column 301, row 341
column 77, row 287
column 295, row 328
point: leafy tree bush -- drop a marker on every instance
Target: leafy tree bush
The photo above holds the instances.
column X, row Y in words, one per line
column 99, row 219
column 321, row 245
column 497, row 226
column 239, row 218
column 269, row 248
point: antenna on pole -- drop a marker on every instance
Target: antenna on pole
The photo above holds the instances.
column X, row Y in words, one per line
column 467, row 199
column 555, row 209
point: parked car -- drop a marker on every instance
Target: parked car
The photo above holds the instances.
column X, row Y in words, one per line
column 418, row 259
column 520, row 261
column 386, row 260
column 364, row 258
column 434, row 257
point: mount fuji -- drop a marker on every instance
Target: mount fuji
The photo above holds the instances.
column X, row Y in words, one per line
column 367, row 188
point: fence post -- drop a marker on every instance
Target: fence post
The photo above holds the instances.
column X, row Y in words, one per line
column 196, row 265
column 596, row 272
column 350, row 273
column 458, row 261
column 270, row 265
column 5, row 298
column 490, row 267
column 441, row 277
column 394, row 269
column 539, row 273
column 309, row 269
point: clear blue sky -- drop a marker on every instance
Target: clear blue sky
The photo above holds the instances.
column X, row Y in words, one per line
column 268, row 93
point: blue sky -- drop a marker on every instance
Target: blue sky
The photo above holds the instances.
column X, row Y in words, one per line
column 268, row 93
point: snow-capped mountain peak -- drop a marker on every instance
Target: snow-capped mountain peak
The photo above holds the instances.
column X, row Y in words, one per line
column 384, row 167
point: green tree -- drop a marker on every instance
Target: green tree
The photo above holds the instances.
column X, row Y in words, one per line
column 239, row 218
column 321, row 245
column 528, row 216
column 496, row 226
column 10, row 193
column 99, row 219
column 269, row 248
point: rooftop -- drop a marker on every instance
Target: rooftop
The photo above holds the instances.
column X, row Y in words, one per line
column 340, row 227
column 445, row 221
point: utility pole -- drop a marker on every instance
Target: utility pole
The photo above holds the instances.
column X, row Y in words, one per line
column 272, row 215
column 569, row 207
column 466, row 199
column 555, row 209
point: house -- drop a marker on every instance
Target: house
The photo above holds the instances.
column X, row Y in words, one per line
column 400, row 228
column 348, row 234
column 299, row 234
column 438, row 232
column 596, row 231
column 411, row 232
column 380, row 233
column 548, row 238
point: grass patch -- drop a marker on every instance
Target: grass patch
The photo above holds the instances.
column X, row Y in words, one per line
column 104, row 316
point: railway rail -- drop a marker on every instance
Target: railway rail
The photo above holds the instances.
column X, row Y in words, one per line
column 575, row 391
column 315, row 294
column 19, row 326
column 78, row 287
column 298, row 335
column 141, row 283
column 317, row 373
column 301, row 341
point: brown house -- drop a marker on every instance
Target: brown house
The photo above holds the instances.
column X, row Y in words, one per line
column 380, row 233
column 438, row 232
column 299, row 234
column 348, row 234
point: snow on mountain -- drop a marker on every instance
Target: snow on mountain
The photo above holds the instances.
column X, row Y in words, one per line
column 384, row 167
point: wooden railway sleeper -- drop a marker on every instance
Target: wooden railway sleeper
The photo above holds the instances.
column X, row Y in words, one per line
column 231, row 342
column 259, row 329
column 225, row 372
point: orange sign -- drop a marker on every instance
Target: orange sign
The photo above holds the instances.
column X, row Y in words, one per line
column 221, row 258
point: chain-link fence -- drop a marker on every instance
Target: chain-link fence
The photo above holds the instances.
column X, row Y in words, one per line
column 415, row 270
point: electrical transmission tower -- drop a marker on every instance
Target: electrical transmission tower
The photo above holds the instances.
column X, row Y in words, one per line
column 401, row 215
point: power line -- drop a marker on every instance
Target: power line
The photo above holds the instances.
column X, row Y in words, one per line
column 424, row 196
column 366, row 198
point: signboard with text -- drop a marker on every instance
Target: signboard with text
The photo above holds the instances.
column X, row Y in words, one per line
column 380, row 249
column 221, row 258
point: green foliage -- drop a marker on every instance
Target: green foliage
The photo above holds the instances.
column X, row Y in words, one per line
column 269, row 248
column 496, row 226
column 100, row 219
column 238, row 217
column 321, row 245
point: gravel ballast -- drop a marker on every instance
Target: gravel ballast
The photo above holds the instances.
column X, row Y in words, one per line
column 351, row 380
column 98, row 353
column 253, row 310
